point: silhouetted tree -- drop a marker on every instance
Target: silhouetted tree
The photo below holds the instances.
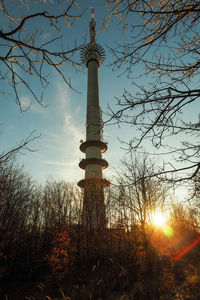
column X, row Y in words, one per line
column 139, row 193
column 17, row 195
column 60, row 201
column 194, row 201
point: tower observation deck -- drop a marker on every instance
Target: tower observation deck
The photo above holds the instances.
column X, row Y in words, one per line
column 93, row 215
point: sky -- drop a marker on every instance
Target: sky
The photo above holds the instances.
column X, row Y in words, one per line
column 61, row 125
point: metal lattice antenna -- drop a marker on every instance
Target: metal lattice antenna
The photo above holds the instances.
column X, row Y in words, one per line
column 92, row 50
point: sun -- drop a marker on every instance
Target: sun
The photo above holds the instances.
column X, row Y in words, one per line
column 159, row 219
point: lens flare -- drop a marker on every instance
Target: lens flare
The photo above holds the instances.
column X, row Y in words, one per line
column 159, row 219
column 187, row 249
column 168, row 231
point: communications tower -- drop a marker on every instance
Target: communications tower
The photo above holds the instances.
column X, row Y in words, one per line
column 93, row 215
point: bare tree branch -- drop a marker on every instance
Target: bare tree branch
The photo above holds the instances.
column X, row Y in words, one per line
column 165, row 41
column 24, row 47
column 23, row 145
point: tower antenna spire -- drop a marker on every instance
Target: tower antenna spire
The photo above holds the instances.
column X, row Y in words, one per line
column 92, row 12
column 92, row 51
column 92, row 28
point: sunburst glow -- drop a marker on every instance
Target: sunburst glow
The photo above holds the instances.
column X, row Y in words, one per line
column 159, row 219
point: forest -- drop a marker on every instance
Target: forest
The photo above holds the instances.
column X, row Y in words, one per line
column 46, row 253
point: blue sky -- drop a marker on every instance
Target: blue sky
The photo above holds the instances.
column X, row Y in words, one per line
column 61, row 125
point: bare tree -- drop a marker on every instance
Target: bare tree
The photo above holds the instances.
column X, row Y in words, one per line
column 27, row 53
column 138, row 194
column 162, row 37
column 194, row 199
column 17, row 195
column 31, row 217
column 60, row 204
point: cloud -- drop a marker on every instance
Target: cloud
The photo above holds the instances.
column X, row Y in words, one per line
column 26, row 104
column 56, row 163
column 61, row 144
column 37, row 108
column 71, row 125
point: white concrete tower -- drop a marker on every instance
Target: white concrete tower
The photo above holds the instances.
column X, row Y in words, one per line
column 93, row 214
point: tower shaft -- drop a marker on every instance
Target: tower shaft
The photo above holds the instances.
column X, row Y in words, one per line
column 93, row 123
column 93, row 129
